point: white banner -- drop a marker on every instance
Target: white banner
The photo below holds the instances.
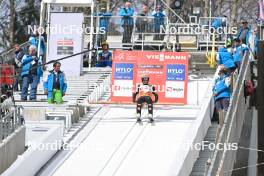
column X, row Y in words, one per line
column 174, row 89
column 66, row 38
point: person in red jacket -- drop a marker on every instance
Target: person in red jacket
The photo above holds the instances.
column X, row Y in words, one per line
column 145, row 93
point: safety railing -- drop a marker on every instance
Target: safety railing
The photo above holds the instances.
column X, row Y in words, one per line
column 222, row 160
column 99, row 88
column 10, row 122
column 148, row 29
column 110, row 28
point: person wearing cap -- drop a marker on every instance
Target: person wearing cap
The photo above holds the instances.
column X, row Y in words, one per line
column 238, row 52
column 127, row 21
column 105, row 56
column 221, row 90
column 225, row 58
column 243, row 31
column 145, row 93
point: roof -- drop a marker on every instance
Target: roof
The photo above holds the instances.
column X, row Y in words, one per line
column 70, row 2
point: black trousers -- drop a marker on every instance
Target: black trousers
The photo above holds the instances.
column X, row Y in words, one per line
column 128, row 29
column 144, row 99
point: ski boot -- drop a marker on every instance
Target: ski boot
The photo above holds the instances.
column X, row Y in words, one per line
column 150, row 117
column 139, row 120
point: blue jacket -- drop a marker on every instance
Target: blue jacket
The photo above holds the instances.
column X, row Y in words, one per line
column 225, row 58
column 48, row 83
column 159, row 19
column 104, row 20
column 34, row 41
column 27, row 65
column 240, row 31
column 127, row 15
column 239, row 52
column 255, row 42
column 216, row 23
column 221, row 89
column 105, row 55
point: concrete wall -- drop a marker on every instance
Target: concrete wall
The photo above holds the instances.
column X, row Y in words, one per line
column 197, row 133
column 36, row 156
column 34, row 114
column 11, row 147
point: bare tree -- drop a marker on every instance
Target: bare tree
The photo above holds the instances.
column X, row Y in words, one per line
column 14, row 17
column 11, row 22
column 233, row 12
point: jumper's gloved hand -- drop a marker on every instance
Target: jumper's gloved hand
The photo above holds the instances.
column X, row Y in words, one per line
column 134, row 97
column 156, row 98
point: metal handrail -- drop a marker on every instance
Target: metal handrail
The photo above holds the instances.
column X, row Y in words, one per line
column 9, row 123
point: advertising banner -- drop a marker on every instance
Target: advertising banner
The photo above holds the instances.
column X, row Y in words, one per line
column 168, row 72
column 65, row 37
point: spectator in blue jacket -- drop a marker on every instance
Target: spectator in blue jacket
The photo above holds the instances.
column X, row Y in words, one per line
column 34, row 40
column 216, row 23
column 238, row 52
column 127, row 22
column 29, row 74
column 221, row 90
column 225, row 58
column 104, row 18
column 159, row 22
column 104, row 57
column 252, row 42
column 243, row 31
column 55, row 84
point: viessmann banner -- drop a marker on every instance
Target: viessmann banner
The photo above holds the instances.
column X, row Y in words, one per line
column 168, row 72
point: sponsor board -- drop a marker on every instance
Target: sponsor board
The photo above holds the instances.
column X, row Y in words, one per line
column 168, row 72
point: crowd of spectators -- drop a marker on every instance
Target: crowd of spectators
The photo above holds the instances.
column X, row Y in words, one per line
column 229, row 60
column 29, row 67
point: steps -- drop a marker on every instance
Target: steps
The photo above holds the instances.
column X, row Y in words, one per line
column 89, row 87
column 198, row 62
column 200, row 166
column 79, row 89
